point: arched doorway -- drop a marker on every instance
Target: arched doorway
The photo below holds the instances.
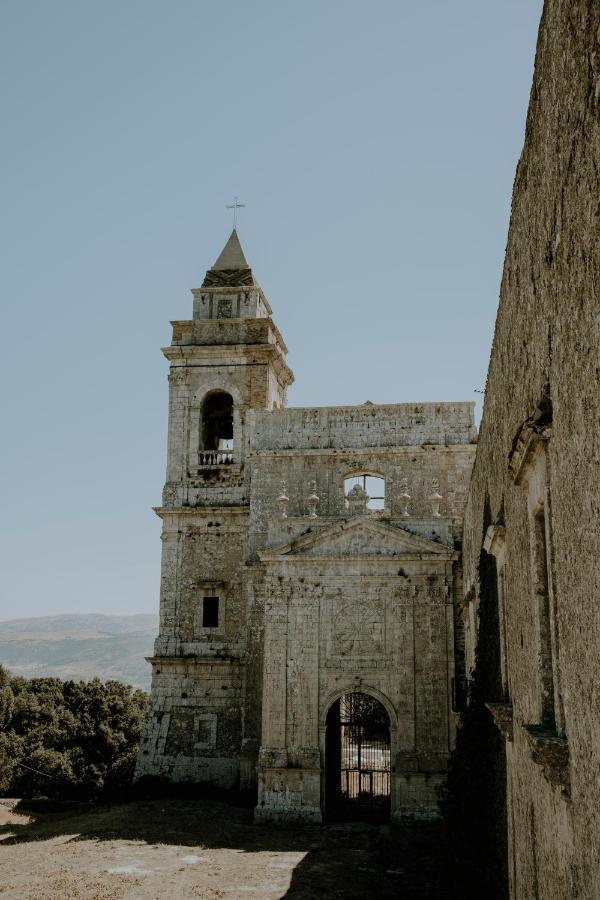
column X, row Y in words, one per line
column 357, row 759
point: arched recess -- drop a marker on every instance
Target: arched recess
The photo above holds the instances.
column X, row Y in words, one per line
column 358, row 754
column 374, row 692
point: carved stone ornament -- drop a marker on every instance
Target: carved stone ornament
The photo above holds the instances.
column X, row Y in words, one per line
column 359, row 628
column 283, row 501
column 435, row 498
column 404, row 498
column 357, row 500
column 312, row 501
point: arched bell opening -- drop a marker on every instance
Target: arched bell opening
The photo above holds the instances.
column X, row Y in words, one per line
column 217, row 422
column 357, row 759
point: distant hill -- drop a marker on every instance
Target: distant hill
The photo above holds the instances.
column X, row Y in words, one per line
column 80, row 647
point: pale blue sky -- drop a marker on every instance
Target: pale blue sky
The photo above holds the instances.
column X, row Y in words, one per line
column 374, row 145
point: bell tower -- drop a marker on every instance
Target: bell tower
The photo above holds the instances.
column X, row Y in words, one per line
column 227, row 360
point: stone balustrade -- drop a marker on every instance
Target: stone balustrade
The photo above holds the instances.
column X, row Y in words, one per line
column 215, row 457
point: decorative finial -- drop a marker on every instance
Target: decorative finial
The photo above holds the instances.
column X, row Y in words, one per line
column 235, row 206
column 435, row 498
column 283, row 501
column 404, row 498
column 312, row 501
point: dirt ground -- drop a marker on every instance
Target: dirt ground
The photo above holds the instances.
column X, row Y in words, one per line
column 167, row 849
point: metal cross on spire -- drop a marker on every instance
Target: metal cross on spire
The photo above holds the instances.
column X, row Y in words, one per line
column 235, row 206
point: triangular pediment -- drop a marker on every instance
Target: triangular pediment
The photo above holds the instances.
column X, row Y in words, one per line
column 358, row 538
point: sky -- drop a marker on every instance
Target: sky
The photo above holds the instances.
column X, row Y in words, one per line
column 374, row 146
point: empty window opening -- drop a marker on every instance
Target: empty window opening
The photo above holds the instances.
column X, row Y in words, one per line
column 217, row 421
column 373, row 485
column 210, row 612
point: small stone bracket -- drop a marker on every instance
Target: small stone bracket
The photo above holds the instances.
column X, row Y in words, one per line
column 503, row 717
column 550, row 751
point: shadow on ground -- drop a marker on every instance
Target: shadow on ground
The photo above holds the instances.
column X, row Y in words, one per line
column 341, row 861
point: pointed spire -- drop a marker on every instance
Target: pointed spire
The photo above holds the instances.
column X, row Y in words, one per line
column 231, row 269
column 232, row 255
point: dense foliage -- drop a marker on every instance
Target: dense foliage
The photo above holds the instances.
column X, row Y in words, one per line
column 67, row 739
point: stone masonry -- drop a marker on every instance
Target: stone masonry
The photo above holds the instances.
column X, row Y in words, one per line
column 282, row 588
column 534, row 502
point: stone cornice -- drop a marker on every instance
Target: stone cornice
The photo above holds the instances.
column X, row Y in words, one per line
column 343, row 561
column 202, row 511
column 202, row 355
column 387, row 450
column 218, row 325
column 193, row 660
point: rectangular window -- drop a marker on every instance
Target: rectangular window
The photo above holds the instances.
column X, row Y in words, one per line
column 210, row 612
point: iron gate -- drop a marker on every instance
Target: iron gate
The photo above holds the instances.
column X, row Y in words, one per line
column 358, row 770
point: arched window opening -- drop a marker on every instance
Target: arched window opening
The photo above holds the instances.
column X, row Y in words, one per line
column 217, row 424
column 372, row 485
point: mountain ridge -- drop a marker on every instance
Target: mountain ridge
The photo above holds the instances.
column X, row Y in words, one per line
column 80, row 646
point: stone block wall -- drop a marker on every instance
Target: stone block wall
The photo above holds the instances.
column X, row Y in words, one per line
column 194, row 730
column 540, row 421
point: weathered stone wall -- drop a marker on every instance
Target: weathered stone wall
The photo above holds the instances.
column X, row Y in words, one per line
column 544, row 368
column 332, row 629
column 369, row 425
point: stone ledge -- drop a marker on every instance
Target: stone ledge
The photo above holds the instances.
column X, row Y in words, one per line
column 550, row 751
column 503, row 717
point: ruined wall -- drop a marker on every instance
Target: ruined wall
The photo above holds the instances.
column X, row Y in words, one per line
column 547, row 342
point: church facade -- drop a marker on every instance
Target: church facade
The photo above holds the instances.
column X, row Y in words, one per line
column 310, row 643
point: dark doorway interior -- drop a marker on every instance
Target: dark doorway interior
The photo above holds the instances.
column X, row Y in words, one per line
column 217, row 421
column 358, row 759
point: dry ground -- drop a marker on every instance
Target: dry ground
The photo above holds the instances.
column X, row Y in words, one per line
column 146, row 850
